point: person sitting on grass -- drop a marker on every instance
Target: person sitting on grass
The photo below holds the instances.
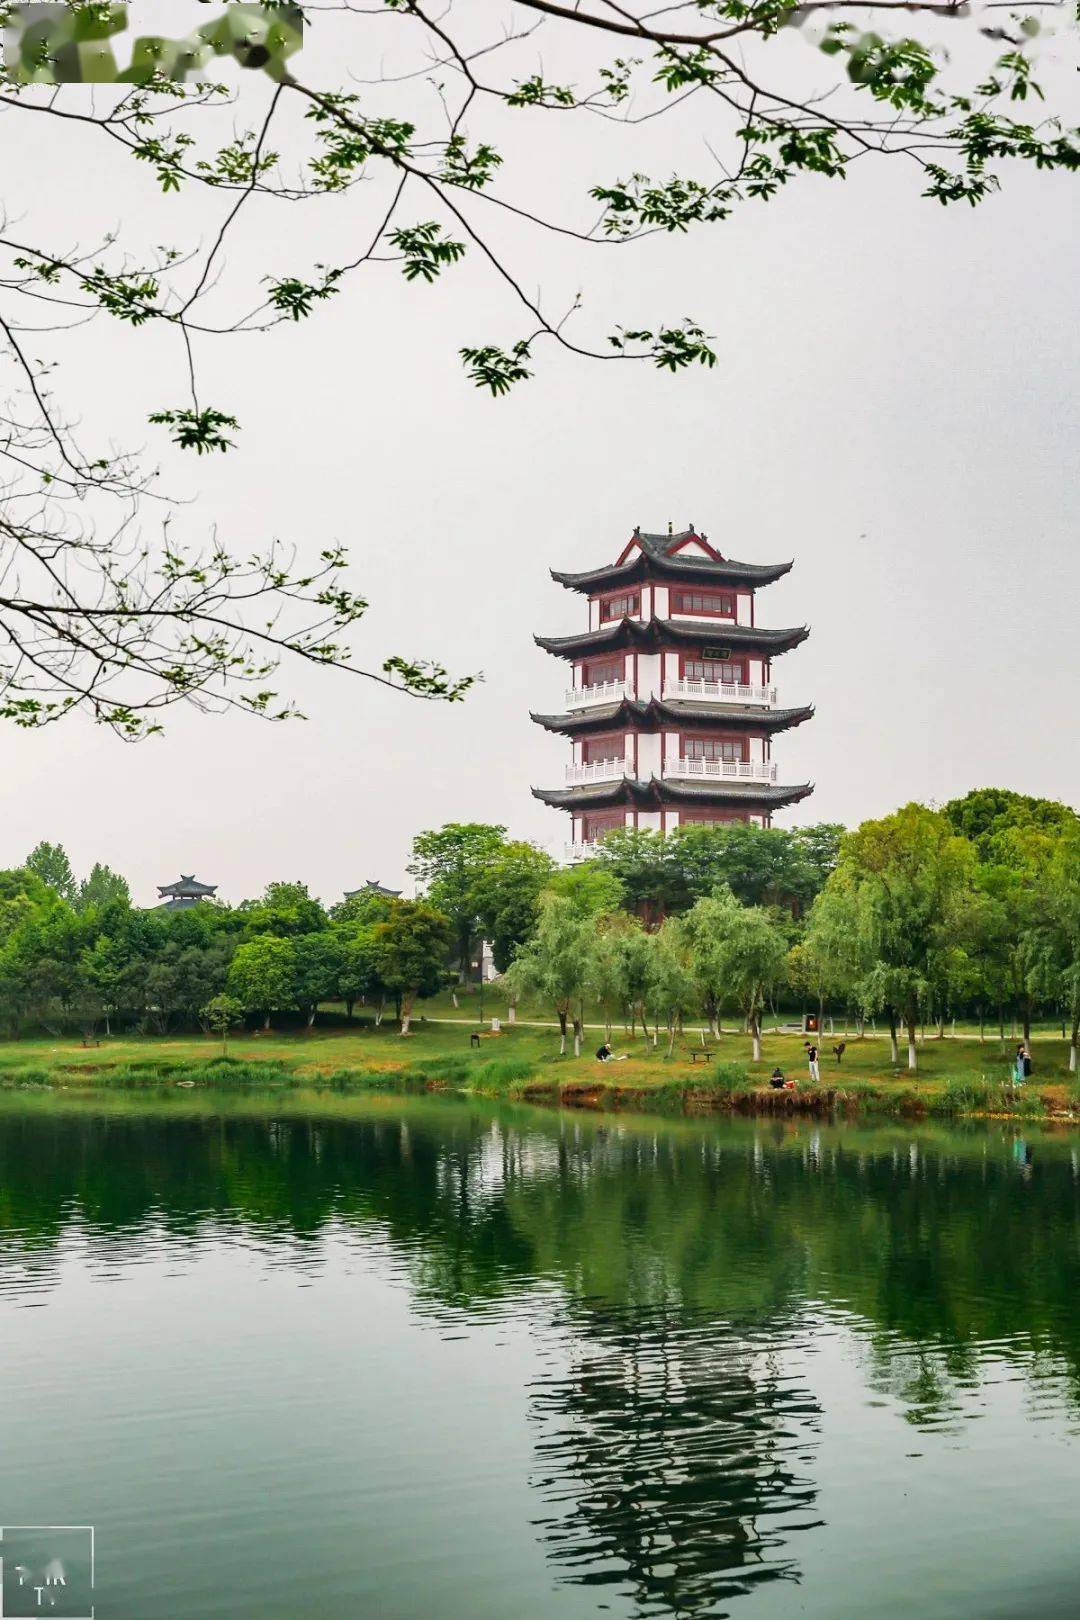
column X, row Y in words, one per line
column 776, row 1079
column 604, row 1054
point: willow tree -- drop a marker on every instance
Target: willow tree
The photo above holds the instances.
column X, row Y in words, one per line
column 1061, row 929
column 903, row 887
column 673, row 990
column 738, row 954
column 435, row 165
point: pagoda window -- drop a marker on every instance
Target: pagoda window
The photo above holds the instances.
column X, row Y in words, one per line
column 702, row 602
column 714, row 748
column 597, row 672
column 627, row 605
column 597, row 750
column 731, row 672
column 706, row 815
column 596, row 825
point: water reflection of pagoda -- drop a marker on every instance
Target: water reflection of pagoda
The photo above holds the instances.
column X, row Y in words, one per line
column 188, row 891
column 671, row 708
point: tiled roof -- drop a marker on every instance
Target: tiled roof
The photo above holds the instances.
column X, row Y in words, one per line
column 657, row 791
column 655, row 633
column 650, row 716
column 187, row 885
column 655, row 558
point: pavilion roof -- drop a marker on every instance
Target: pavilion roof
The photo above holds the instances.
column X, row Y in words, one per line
column 656, row 792
column 186, row 886
column 653, row 714
column 653, row 634
column 373, row 886
column 658, row 556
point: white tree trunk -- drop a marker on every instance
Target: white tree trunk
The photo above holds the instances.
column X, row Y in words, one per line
column 893, row 1049
column 1072, row 1057
column 757, row 1042
column 406, row 1013
column 912, row 1055
column 511, row 1014
column 454, row 1000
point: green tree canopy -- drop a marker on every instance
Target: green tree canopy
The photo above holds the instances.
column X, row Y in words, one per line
column 903, row 886
column 986, row 814
column 554, row 965
column 103, row 887
column 451, row 862
column 507, row 897
column 285, row 909
column 318, row 963
column 49, row 862
column 262, row 975
column 411, row 953
column 737, row 954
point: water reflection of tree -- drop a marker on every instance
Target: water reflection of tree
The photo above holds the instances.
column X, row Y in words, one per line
column 940, row 1247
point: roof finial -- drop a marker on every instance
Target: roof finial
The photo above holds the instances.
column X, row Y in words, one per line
column 669, row 525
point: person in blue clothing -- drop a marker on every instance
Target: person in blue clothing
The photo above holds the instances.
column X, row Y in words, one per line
column 1019, row 1068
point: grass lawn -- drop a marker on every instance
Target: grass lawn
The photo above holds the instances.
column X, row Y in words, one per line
column 526, row 1058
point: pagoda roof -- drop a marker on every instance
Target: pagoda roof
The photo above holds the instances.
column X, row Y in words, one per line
column 653, row 714
column 658, row 792
column 659, row 556
column 653, row 634
column 373, row 886
column 186, row 887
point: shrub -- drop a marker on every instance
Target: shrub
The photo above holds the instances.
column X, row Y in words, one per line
column 728, row 1077
column 500, row 1074
column 966, row 1094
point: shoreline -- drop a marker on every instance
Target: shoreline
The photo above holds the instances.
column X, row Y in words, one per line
column 687, row 1094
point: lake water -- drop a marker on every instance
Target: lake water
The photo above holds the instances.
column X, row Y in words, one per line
column 402, row 1358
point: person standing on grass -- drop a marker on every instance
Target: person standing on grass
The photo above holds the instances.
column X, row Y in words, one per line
column 1019, row 1070
column 812, row 1059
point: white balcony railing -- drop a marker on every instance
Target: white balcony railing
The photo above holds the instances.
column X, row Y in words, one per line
column 582, row 697
column 601, row 770
column 744, row 770
column 721, row 692
column 580, row 852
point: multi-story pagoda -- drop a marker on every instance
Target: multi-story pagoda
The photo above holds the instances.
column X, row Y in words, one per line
column 671, row 709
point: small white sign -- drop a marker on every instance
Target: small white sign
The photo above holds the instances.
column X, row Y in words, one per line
column 47, row 1569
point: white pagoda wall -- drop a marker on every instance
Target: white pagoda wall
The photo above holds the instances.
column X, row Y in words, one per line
column 648, row 675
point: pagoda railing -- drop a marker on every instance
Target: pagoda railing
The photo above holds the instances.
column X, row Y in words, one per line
column 735, row 770
column 601, row 770
column 721, row 692
column 583, row 697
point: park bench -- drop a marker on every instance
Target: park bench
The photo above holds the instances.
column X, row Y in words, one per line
column 699, row 1054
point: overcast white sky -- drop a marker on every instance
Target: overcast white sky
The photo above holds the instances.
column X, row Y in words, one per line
column 894, row 408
